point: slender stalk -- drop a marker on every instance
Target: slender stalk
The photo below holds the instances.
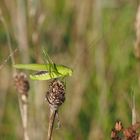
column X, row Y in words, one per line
column 25, row 120
column 133, row 109
column 23, row 45
column 23, row 110
column 23, row 89
column 51, row 123
column 23, row 106
column 22, row 38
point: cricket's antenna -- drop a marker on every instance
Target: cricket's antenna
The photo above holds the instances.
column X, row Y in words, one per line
column 10, row 56
column 44, row 51
column 47, row 60
column 9, row 42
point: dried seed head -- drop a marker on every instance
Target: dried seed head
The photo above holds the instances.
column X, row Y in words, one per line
column 21, row 83
column 56, row 94
column 113, row 133
column 136, row 126
column 116, row 133
column 118, row 126
column 120, row 133
column 131, row 133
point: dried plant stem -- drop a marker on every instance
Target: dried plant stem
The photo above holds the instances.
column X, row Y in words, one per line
column 22, row 105
column 51, row 122
column 22, row 35
column 23, row 110
column 23, row 45
column 22, row 86
column 133, row 109
column 25, row 120
column 137, row 27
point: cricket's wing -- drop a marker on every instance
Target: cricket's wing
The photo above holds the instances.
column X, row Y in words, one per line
column 45, row 76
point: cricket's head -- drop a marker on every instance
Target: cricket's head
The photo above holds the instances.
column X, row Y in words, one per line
column 65, row 71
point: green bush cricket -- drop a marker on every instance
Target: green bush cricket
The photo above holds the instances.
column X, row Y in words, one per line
column 46, row 71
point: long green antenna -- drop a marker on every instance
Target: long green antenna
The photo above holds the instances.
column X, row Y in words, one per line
column 48, row 60
column 8, row 38
column 9, row 42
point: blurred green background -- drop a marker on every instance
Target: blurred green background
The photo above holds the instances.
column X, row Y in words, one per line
column 96, row 39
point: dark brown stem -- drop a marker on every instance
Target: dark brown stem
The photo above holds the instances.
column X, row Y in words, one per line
column 51, row 123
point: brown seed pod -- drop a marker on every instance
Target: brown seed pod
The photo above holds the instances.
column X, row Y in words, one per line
column 136, row 126
column 56, row 94
column 113, row 133
column 130, row 133
column 21, row 83
column 116, row 133
column 118, row 126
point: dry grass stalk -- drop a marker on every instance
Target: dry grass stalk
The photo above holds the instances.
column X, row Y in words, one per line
column 137, row 42
column 20, row 80
column 133, row 110
column 55, row 97
column 22, row 35
column 22, row 86
column 51, row 123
